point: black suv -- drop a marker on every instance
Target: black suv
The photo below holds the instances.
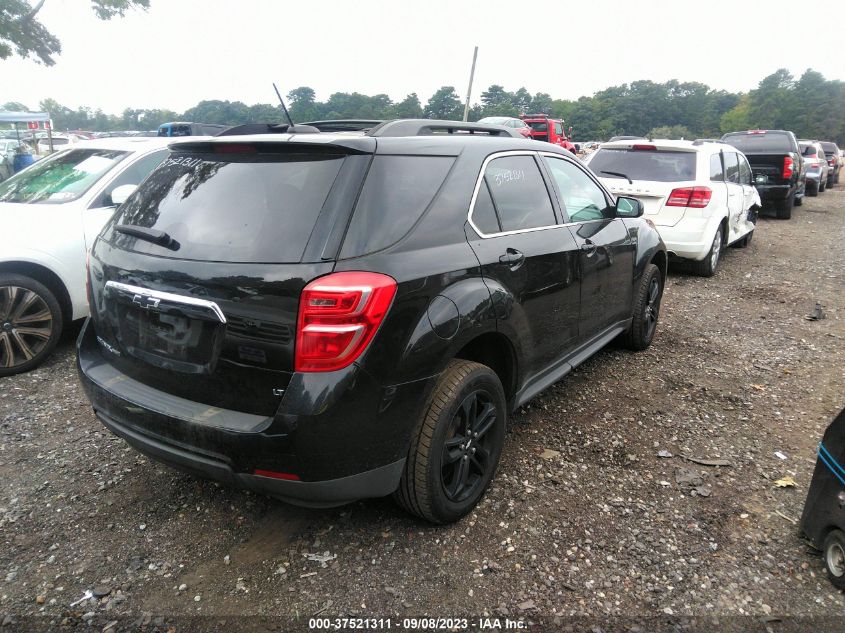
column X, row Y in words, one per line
column 330, row 316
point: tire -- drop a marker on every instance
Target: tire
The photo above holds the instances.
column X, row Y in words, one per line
column 836, row 178
column 822, row 185
column 707, row 266
column 812, row 190
column 799, row 201
column 784, row 207
column 30, row 323
column 830, row 182
column 468, row 398
column 646, row 310
column 833, row 551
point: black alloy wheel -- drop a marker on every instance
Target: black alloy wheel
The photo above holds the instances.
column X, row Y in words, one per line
column 30, row 324
column 466, row 454
column 456, row 445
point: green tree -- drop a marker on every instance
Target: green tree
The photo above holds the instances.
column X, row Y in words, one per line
column 301, row 104
column 444, row 104
column 670, row 132
column 409, row 108
column 21, row 33
column 14, row 106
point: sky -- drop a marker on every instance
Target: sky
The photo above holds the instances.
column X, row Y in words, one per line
column 183, row 51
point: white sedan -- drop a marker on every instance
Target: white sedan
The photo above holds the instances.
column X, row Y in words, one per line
column 51, row 212
column 698, row 194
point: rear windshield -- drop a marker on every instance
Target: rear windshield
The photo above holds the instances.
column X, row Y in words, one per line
column 759, row 143
column 539, row 126
column 830, row 149
column 241, row 208
column 659, row 166
column 60, row 178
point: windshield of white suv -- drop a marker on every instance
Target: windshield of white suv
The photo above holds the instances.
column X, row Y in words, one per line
column 657, row 166
column 60, row 178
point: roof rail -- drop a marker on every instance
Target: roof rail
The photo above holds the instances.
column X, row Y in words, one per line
column 344, row 125
column 430, row 127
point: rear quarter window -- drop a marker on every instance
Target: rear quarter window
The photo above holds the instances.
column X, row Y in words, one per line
column 717, row 172
column 396, row 193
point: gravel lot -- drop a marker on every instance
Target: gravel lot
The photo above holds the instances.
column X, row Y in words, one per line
column 584, row 517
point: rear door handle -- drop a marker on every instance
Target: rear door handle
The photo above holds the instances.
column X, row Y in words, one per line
column 512, row 258
column 588, row 247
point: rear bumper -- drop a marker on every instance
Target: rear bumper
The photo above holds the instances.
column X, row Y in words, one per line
column 690, row 238
column 378, row 482
column 344, row 436
column 773, row 192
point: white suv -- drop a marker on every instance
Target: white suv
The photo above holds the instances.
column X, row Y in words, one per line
column 698, row 194
column 50, row 214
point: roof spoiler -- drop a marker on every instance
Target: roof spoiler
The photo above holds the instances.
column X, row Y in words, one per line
column 268, row 128
column 430, row 127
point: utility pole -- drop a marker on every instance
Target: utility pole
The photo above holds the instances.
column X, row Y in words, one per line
column 469, row 89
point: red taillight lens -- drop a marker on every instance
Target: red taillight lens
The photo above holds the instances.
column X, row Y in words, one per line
column 831, row 162
column 338, row 317
column 788, row 167
column 694, row 197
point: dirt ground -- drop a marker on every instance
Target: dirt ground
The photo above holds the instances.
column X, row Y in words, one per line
column 583, row 519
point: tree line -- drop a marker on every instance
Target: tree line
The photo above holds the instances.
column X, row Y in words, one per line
column 811, row 106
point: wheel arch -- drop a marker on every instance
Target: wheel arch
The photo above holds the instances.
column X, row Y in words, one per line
column 45, row 276
column 494, row 350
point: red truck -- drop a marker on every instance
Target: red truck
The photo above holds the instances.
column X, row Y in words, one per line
column 550, row 130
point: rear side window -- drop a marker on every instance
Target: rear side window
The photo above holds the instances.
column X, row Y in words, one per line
column 651, row 165
column 232, row 208
column 396, row 193
column 484, row 213
column 717, row 172
column 519, row 193
column 731, row 167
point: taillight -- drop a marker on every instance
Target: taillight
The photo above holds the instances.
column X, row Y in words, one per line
column 338, row 317
column 647, row 148
column 788, row 167
column 693, row 197
column 831, row 161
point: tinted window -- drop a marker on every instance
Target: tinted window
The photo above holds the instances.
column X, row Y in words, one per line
column 581, row 198
column 760, row 143
column 519, row 193
column 731, row 167
column 717, row 173
column 132, row 175
column 483, row 213
column 397, row 191
column 808, row 150
column 244, row 208
column 60, row 178
column 659, row 166
column 830, row 149
column 539, row 126
column 744, row 170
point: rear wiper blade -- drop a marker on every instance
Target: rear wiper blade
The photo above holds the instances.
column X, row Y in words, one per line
column 616, row 173
column 150, row 235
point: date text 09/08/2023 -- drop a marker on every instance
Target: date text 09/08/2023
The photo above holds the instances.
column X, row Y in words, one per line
column 416, row 624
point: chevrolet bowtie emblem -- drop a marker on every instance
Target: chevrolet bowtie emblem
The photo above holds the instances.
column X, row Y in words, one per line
column 145, row 301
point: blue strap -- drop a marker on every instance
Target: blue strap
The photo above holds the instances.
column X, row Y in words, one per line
column 832, row 464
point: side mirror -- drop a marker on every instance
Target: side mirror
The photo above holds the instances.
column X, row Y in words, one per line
column 629, row 207
column 121, row 193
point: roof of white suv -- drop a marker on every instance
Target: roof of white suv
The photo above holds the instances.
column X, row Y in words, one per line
column 666, row 144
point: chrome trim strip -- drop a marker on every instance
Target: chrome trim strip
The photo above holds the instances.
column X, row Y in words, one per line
column 169, row 297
